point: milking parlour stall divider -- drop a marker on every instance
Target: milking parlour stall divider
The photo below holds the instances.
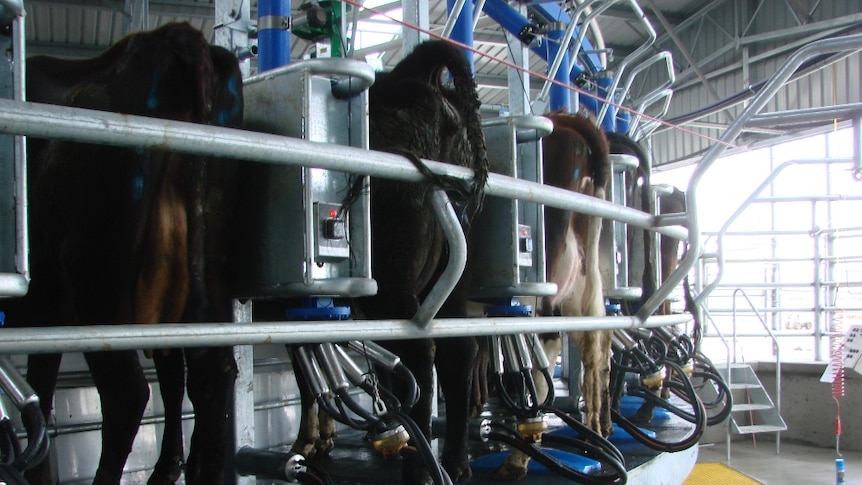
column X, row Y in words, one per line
column 308, row 125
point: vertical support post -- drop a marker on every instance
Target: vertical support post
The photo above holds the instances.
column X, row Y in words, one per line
column 463, row 27
column 273, row 34
column 560, row 96
column 137, row 16
column 518, row 80
column 231, row 30
column 818, row 285
column 243, row 400
column 414, row 13
column 857, row 148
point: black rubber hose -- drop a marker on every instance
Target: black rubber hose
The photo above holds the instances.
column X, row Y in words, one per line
column 588, row 433
column 344, row 397
column 10, row 448
column 11, row 475
column 316, row 476
column 37, row 438
column 438, row 473
column 552, row 463
column 549, row 379
column 699, row 419
column 402, row 372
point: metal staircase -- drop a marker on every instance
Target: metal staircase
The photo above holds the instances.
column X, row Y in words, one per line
column 753, row 410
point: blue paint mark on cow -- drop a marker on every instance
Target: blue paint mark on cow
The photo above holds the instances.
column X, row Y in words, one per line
column 224, row 117
column 577, row 173
column 153, row 98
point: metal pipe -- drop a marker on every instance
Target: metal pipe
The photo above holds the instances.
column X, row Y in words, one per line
column 462, row 26
column 14, row 384
column 273, row 34
column 360, row 76
column 620, row 68
column 178, row 335
column 857, row 148
column 22, row 238
column 557, row 46
column 781, row 76
column 378, row 354
column 447, row 281
column 90, row 126
column 806, row 115
column 454, row 13
column 640, row 132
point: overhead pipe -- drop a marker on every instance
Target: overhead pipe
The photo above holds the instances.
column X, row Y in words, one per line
column 607, row 108
column 642, row 130
column 557, row 47
column 273, row 34
column 778, row 79
column 510, row 19
column 459, row 26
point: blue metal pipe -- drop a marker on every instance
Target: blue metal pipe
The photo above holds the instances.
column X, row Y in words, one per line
column 273, row 36
column 560, row 96
column 463, row 29
column 511, row 20
column 552, row 12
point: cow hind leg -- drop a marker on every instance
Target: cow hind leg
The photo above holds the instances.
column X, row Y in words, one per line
column 42, row 370
column 211, row 376
column 124, row 394
column 171, row 373
column 456, row 355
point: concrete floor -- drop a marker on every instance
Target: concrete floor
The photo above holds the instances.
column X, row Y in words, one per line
column 796, row 464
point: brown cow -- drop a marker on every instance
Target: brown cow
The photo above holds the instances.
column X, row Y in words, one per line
column 575, row 158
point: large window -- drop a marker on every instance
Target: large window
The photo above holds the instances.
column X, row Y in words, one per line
column 795, row 250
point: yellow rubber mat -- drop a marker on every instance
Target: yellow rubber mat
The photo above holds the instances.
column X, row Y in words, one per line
column 717, row 474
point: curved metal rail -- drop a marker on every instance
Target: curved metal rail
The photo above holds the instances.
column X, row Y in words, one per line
column 840, row 44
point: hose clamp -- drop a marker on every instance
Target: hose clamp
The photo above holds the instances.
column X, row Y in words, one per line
column 280, row 22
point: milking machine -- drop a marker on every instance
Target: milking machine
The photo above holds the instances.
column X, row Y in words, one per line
column 509, row 245
column 14, row 460
column 653, row 364
column 305, row 247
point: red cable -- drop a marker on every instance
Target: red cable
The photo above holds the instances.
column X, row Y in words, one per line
column 543, row 77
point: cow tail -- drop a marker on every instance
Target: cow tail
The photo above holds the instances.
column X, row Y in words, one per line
column 468, row 103
column 427, row 62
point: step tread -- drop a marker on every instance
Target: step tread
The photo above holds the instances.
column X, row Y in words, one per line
column 752, row 407
column 759, row 428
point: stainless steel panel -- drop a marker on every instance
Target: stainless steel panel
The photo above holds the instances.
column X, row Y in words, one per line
column 508, row 246
column 284, row 251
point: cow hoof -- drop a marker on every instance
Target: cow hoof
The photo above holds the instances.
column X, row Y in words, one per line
column 166, row 472
column 323, row 446
column 308, row 450
column 462, row 475
column 508, row 473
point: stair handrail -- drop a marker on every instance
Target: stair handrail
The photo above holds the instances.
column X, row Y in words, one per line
column 775, row 346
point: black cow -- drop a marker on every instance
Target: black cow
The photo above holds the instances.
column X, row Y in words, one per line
column 132, row 235
column 415, row 114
